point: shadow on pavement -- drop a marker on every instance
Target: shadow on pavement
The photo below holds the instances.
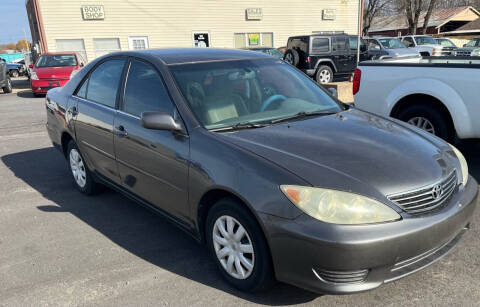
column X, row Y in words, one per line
column 26, row 94
column 132, row 227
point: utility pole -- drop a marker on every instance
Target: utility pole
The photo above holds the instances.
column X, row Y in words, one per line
column 361, row 4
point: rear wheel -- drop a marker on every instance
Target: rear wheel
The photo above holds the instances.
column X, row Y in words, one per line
column 8, row 87
column 82, row 177
column 428, row 118
column 324, row 74
column 238, row 246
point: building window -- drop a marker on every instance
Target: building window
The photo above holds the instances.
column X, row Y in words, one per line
column 106, row 45
column 252, row 40
column 75, row 45
column 138, row 42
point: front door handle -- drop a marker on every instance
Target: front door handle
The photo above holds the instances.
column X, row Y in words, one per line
column 121, row 132
column 73, row 111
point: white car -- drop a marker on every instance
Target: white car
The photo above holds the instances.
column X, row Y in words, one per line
column 437, row 95
column 427, row 46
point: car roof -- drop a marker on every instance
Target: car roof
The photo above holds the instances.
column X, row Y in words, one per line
column 172, row 56
column 58, row 53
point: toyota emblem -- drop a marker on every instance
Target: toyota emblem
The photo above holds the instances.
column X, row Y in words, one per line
column 437, row 192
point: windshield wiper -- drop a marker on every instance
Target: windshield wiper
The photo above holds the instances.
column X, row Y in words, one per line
column 302, row 114
column 239, row 126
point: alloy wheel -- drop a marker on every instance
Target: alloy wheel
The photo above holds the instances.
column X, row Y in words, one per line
column 325, row 77
column 233, row 247
column 78, row 168
column 422, row 123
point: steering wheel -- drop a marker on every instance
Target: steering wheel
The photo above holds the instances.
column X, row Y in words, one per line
column 269, row 101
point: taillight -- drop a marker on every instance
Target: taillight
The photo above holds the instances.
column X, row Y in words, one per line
column 357, row 78
column 308, row 60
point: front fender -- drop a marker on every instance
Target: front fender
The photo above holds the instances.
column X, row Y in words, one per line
column 440, row 91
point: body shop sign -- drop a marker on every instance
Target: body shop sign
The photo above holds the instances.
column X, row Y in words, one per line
column 93, row 12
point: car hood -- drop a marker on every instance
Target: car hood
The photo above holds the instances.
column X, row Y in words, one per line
column 352, row 151
column 62, row 72
column 467, row 48
column 402, row 52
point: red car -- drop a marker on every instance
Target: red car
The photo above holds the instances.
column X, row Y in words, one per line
column 53, row 70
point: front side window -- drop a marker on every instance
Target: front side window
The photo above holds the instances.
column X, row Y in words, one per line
column 104, row 81
column 339, row 44
column 408, row 41
column 473, row 43
column 145, row 90
column 57, row 60
column 446, row 43
column 391, row 43
column 223, row 94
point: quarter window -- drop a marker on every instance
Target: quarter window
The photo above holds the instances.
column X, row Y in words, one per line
column 145, row 90
column 82, row 91
column 104, row 81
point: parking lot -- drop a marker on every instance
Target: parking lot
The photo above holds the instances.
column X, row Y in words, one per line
column 59, row 247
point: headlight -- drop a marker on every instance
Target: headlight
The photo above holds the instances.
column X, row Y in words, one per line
column 33, row 76
column 463, row 164
column 338, row 207
column 475, row 52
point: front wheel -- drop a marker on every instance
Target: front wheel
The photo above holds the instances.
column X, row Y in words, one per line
column 238, row 246
column 14, row 73
column 82, row 177
column 430, row 119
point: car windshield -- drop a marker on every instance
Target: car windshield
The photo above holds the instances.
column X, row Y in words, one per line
column 473, row 43
column 391, row 43
column 446, row 42
column 57, row 60
column 425, row 40
column 229, row 93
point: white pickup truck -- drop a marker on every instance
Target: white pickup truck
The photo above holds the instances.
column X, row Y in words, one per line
column 439, row 95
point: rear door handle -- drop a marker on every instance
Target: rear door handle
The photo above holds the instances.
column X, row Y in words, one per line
column 121, row 131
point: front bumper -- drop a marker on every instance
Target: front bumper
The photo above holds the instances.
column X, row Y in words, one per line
column 42, row 86
column 342, row 259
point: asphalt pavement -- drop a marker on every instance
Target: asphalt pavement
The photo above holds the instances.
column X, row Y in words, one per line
column 60, row 248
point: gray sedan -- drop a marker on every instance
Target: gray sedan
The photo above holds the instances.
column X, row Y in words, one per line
column 279, row 179
column 391, row 47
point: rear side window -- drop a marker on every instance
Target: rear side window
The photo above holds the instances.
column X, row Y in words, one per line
column 104, row 81
column 320, row 45
column 340, row 44
column 145, row 90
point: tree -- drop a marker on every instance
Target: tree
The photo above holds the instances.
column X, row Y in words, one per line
column 372, row 9
column 11, row 46
column 23, row 45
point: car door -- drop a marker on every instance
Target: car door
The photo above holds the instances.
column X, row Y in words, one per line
column 341, row 54
column 93, row 107
column 153, row 164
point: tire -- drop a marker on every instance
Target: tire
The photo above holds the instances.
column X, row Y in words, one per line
column 87, row 185
column 425, row 116
column 292, row 57
column 324, row 74
column 8, row 88
column 14, row 73
column 260, row 277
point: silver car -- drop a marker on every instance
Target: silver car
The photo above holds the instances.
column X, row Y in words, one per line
column 391, row 47
column 427, row 45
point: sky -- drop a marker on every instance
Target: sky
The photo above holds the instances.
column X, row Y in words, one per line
column 13, row 19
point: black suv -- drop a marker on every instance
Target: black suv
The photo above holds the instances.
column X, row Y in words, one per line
column 324, row 55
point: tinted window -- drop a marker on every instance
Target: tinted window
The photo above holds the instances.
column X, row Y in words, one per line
column 145, row 90
column 104, row 80
column 339, row 44
column 82, row 91
column 320, row 45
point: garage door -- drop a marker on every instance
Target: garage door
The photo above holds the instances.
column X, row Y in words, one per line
column 105, row 45
column 76, row 45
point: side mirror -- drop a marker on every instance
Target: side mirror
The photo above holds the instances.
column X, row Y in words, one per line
column 159, row 121
column 30, row 66
column 333, row 91
column 464, row 45
column 81, row 65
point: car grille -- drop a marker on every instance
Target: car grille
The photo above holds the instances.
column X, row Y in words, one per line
column 464, row 53
column 428, row 198
column 341, row 277
column 414, row 264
